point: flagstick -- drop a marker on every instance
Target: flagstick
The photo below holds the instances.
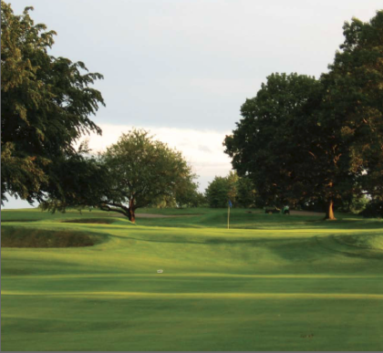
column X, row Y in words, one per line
column 228, row 217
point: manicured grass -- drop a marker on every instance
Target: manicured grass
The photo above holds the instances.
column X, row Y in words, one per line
column 272, row 282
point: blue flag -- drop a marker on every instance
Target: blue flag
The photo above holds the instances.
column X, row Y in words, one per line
column 230, row 204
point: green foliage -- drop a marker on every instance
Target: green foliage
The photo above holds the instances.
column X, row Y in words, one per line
column 240, row 191
column 79, row 181
column 45, row 107
column 356, row 204
column 142, row 172
column 374, row 209
column 269, row 146
column 164, row 202
column 186, row 195
column 303, row 140
column 199, row 200
column 246, row 193
column 353, row 102
column 217, row 192
column 232, row 185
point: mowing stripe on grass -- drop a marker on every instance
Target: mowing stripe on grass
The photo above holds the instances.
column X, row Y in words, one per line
column 146, row 295
column 190, row 275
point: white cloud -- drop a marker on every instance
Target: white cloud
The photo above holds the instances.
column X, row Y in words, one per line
column 203, row 149
column 240, row 88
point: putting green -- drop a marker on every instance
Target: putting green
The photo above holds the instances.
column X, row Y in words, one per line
column 271, row 283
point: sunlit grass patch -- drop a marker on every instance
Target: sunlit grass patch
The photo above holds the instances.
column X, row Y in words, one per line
column 269, row 283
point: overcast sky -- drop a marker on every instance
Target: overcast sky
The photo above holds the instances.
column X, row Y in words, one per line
column 183, row 68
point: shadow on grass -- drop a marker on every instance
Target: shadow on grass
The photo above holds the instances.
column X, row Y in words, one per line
column 13, row 237
column 20, row 220
column 90, row 221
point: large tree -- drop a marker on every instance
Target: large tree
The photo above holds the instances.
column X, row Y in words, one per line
column 272, row 144
column 353, row 103
column 46, row 103
column 141, row 171
column 305, row 139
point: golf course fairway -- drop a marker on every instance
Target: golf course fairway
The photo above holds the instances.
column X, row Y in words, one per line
column 272, row 282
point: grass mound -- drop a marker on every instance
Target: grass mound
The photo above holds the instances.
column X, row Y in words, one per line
column 38, row 238
column 368, row 241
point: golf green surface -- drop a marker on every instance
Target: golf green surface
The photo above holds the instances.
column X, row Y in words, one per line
column 272, row 282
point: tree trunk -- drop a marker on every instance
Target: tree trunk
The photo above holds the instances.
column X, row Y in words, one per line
column 132, row 215
column 330, row 212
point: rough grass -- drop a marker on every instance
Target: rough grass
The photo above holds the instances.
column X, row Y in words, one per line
column 13, row 237
column 272, row 282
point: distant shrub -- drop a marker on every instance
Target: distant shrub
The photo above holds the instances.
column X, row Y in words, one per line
column 374, row 209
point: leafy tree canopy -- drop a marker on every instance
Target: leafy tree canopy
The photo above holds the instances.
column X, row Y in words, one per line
column 270, row 145
column 142, row 171
column 353, row 102
column 45, row 107
column 217, row 192
column 240, row 191
column 246, row 193
column 306, row 139
column 186, row 195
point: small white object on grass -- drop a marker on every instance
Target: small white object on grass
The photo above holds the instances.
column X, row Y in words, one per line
column 160, row 271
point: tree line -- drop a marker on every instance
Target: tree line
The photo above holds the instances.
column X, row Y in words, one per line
column 301, row 140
